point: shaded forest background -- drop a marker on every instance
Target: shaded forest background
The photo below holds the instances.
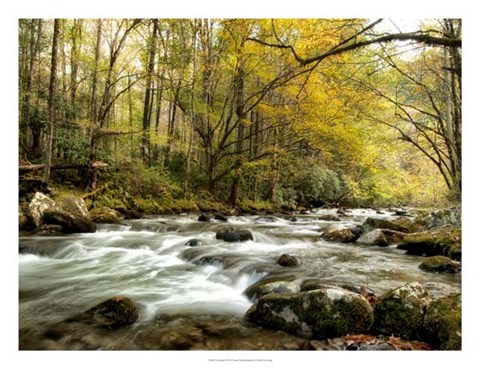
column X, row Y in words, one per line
column 168, row 114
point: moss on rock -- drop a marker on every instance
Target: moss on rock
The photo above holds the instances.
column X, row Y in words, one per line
column 443, row 322
column 342, row 235
column 439, row 263
column 446, row 241
column 104, row 215
column 271, row 285
column 377, row 223
column 116, row 312
column 400, row 311
column 322, row 313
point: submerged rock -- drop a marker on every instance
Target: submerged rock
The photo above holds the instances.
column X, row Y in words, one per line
column 267, row 219
column 288, row 260
column 321, row 313
column 443, row 322
column 444, row 241
column 439, row 263
column 194, row 242
column 373, row 238
column 220, row 217
column 116, row 312
column 400, row 311
column 203, row 218
column 234, row 235
column 329, row 217
column 70, row 223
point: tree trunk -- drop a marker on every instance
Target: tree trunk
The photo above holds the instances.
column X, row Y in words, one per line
column 51, row 98
column 74, row 58
column 91, row 175
column 148, row 101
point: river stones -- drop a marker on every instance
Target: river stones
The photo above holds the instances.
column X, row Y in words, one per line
column 288, row 260
column 116, row 312
column 220, row 217
column 342, row 235
column 375, row 223
column 271, row 285
column 70, row 223
column 323, row 313
column 203, row 218
column 234, row 235
column 446, row 241
column 443, row 322
column 373, row 238
column 439, row 263
column 400, row 311
column 194, row 242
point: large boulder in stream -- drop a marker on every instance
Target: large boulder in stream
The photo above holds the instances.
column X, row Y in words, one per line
column 322, row 313
column 443, row 322
column 446, row 241
column 234, row 235
column 400, row 311
column 342, row 235
column 373, row 238
column 73, row 205
column 38, row 205
column 116, row 312
column 438, row 264
column 69, row 223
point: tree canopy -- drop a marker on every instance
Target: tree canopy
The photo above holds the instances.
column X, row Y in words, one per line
column 290, row 111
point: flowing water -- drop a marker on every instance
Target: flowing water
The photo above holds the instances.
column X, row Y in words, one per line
column 148, row 260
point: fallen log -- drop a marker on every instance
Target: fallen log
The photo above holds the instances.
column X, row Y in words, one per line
column 30, row 167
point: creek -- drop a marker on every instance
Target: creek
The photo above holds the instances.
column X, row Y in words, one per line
column 148, row 260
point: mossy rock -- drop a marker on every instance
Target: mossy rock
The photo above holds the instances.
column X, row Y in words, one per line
column 443, row 322
column 375, row 237
column 69, row 223
column 451, row 216
column 377, row 223
column 342, row 235
column 116, row 312
column 72, row 204
column 321, row 313
column 400, row 311
column 439, row 263
column 104, row 215
column 393, row 237
column 271, row 285
column 446, row 241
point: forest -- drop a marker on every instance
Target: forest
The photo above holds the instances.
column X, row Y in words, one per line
column 260, row 113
